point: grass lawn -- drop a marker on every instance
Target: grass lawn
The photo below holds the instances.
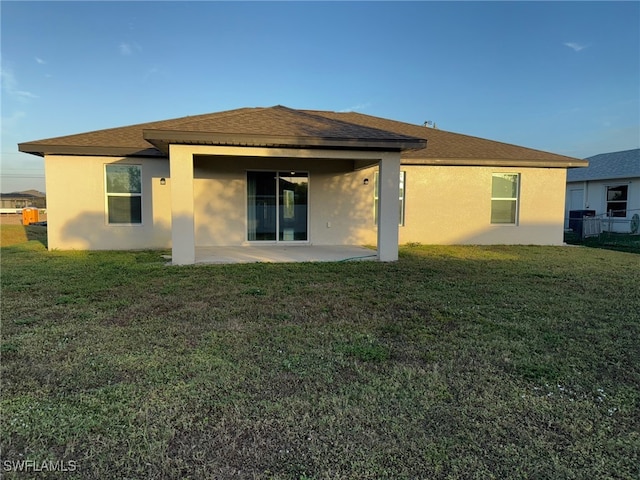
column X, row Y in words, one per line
column 454, row 362
column 622, row 242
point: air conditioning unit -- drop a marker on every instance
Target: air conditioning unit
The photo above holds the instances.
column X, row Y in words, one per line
column 576, row 220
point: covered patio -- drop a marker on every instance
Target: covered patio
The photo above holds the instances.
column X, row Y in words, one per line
column 282, row 176
column 283, row 254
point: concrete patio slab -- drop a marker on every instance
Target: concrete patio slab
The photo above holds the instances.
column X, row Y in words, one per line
column 283, row 254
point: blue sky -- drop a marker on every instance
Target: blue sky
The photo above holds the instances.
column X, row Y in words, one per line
column 557, row 76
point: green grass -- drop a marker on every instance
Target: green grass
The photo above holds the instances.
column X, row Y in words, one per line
column 623, row 242
column 18, row 234
column 454, row 362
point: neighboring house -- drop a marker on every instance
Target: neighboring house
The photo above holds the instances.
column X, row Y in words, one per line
column 13, row 202
column 609, row 189
column 279, row 175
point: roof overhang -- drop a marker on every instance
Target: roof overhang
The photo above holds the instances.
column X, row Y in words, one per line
column 161, row 139
column 42, row 150
column 496, row 162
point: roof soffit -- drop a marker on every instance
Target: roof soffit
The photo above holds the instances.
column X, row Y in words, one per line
column 496, row 162
column 161, row 139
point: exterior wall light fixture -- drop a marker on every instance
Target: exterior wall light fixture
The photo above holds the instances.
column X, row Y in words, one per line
column 163, row 181
column 366, row 181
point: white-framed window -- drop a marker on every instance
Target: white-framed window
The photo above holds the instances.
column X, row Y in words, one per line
column 123, row 187
column 617, row 200
column 505, row 193
column 376, row 193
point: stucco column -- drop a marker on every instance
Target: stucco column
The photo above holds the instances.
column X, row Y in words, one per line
column 183, row 241
column 388, row 208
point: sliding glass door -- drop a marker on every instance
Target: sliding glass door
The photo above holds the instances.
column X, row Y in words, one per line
column 277, row 206
column 261, row 206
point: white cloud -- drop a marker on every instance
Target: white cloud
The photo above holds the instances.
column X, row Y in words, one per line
column 576, row 47
column 125, row 49
column 361, row 106
column 24, row 94
column 11, row 122
column 150, row 73
column 8, row 80
column 128, row 49
column 10, row 86
column 40, row 61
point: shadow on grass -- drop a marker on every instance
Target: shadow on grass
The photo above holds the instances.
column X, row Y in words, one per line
column 11, row 235
column 621, row 242
column 37, row 233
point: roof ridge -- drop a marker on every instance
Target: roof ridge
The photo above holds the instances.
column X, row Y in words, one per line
column 151, row 125
column 620, row 152
column 248, row 110
column 224, row 113
column 448, row 132
column 317, row 114
column 279, row 121
column 190, row 118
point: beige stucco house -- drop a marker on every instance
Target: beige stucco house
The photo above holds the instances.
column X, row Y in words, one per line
column 257, row 176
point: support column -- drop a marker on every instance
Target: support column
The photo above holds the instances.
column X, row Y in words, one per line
column 388, row 207
column 183, row 241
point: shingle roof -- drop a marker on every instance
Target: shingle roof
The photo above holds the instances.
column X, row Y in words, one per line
column 280, row 126
column 448, row 146
column 248, row 126
column 289, row 127
column 624, row 164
